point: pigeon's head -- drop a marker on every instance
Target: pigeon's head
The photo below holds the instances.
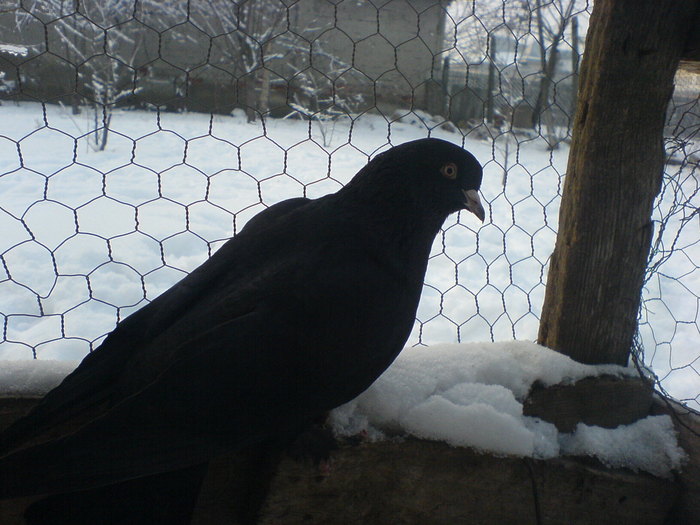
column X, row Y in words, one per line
column 439, row 174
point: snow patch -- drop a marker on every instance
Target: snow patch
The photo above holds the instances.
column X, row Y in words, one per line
column 471, row 395
column 478, row 425
column 32, row 378
column 648, row 444
column 14, row 49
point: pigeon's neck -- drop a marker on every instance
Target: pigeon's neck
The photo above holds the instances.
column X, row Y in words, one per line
column 396, row 224
column 409, row 241
column 401, row 213
column 411, row 230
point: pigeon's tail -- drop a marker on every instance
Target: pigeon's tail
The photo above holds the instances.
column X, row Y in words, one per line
column 163, row 498
column 102, row 453
column 60, row 466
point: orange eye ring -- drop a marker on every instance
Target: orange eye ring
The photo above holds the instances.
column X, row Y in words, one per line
column 449, row 171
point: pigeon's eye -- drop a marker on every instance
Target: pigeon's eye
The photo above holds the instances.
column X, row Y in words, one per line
column 449, row 170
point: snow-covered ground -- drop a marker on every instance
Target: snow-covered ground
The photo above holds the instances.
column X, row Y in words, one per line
column 87, row 236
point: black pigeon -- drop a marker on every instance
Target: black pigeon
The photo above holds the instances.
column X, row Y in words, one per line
column 297, row 314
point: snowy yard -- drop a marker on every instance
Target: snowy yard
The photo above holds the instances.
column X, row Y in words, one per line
column 88, row 237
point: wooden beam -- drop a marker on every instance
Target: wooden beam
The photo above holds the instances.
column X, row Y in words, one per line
column 613, row 175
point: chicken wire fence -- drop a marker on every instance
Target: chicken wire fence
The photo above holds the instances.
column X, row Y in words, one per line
column 137, row 136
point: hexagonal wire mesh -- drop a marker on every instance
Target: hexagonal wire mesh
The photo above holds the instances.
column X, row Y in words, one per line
column 136, row 137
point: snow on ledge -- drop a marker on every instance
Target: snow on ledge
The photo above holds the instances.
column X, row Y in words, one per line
column 471, row 395
column 465, row 395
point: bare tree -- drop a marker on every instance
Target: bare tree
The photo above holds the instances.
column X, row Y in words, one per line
column 241, row 43
column 552, row 19
column 90, row 35
column 323, row 102
column 103, row 41
column 471, row 24
column 319, row 90
column 485, row 39
column 522, row 39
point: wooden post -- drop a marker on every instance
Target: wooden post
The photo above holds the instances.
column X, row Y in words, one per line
column 614, row 173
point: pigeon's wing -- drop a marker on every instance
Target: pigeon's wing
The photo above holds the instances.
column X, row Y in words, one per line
column 204, row 403
column 293, row 351
column 92, row 387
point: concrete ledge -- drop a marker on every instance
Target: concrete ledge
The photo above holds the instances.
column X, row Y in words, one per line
column 419, row 482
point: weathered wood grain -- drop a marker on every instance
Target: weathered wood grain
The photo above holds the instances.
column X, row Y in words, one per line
column 613, row 175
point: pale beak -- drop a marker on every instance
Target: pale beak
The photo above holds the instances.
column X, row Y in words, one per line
column 473, row 204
